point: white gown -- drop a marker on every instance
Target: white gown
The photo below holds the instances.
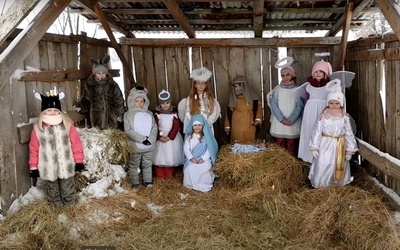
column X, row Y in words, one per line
column 323, row 168
column 312, row 110
column 199, row 177
column 167, row 154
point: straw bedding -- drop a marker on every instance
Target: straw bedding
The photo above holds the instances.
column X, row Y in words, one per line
column 242, row 211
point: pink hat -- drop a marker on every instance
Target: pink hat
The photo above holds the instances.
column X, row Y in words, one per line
column 323, row 66
column 289, row 70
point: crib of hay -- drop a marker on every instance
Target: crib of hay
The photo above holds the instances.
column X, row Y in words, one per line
column 169, row 216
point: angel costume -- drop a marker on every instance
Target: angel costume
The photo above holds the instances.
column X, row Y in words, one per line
column 199, row 176
column 312, row 110
column 332, row 135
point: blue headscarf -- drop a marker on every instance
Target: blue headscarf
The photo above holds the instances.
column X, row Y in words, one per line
column 208, row 138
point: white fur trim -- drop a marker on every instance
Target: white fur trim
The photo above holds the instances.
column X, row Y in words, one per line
column 201, row 74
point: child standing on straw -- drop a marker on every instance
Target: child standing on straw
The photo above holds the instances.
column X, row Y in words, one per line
column 332, row 143
column 55, row 151
column 201, row 151
column 141, row 130
column 286, row 108
column 167, row 154
column 315, row 103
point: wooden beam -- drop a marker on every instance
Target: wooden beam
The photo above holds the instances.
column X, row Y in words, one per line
column 339, row 24
column 345, row 35
column 177, row 13
column 15, row 15
column 258, row 17
column 20, row 48
column 86, row 4
column 190, row 1
column 374, row 54
column 390, row 9
column 61, row 75
column 239, row 42
column 384, row 163
column 116, row 46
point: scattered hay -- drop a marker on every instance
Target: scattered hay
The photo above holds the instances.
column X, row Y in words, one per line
column 272, row 171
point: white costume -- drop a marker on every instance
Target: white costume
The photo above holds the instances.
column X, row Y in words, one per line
column 312, row 110
column 170, row 152
column 199, row 177
column 325, row 140
column 185, row 116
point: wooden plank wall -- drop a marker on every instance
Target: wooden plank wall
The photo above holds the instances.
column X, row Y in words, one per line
column 375, row 109
column 19, row 105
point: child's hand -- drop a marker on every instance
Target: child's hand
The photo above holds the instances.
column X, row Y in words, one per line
column 286, row 122
column 200, row 161
column 257, row 123
column 193, row 160
column 315, row 153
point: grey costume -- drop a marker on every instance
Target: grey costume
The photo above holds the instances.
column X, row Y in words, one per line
column 139, row 125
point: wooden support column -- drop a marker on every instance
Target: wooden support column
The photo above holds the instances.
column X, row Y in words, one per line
column 179, row 16
column 345, row 35
column 15, row 14
column 101, row 16
column 390, row 9
column 258, row 17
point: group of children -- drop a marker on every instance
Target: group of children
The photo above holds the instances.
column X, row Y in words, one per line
column 316, row 116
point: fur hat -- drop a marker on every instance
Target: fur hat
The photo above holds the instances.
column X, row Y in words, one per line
column 201, row 74
column 100, row 65
column 335, row 92
column 323, row 66
column 50, row 100
column 289, row 70
column 164, row 96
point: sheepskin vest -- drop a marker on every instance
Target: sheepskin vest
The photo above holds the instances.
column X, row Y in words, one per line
column 55, row 154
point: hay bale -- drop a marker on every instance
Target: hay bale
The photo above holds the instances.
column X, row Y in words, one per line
column 333, row 217
column 273, row 170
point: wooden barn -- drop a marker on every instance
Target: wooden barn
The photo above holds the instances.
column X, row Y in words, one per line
column 165, row 63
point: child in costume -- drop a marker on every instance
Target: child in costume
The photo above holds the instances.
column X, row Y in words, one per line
column 55, row 151
column 332, row 143
column 201, row 151
column 200, row 100
column 102, row 98
column 167, row 154
column 286, row 109
column 141, row 129
column 244, row 112
column 316, row 93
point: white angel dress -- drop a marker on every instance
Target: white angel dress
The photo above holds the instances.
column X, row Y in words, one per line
column 325, row 140
column 312, row 110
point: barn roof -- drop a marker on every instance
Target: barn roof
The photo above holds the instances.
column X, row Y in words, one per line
column 259, row 16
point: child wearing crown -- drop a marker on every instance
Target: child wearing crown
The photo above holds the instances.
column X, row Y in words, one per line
column 55, row 151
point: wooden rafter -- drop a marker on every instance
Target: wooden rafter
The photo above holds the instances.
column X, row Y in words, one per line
column 29, row 39
column 114, row 42
column 86, row 4
column 346, row 27
column 177, row 13
column 339, row 24
column 258, row 17
column 391, row 14
column 15, row 14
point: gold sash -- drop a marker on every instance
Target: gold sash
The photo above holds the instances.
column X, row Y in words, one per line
column 341, row 156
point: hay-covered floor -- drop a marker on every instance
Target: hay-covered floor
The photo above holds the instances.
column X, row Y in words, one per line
column 259, row 201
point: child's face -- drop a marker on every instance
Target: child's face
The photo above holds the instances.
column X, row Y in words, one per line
column 52, row 112
column 237, row 86
column 286, row 78
column 333, row 104
column 165, row 105
column 197, row 128
column 319, row 75
column 100, row 75
column 139, row 102
column 200, row 86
